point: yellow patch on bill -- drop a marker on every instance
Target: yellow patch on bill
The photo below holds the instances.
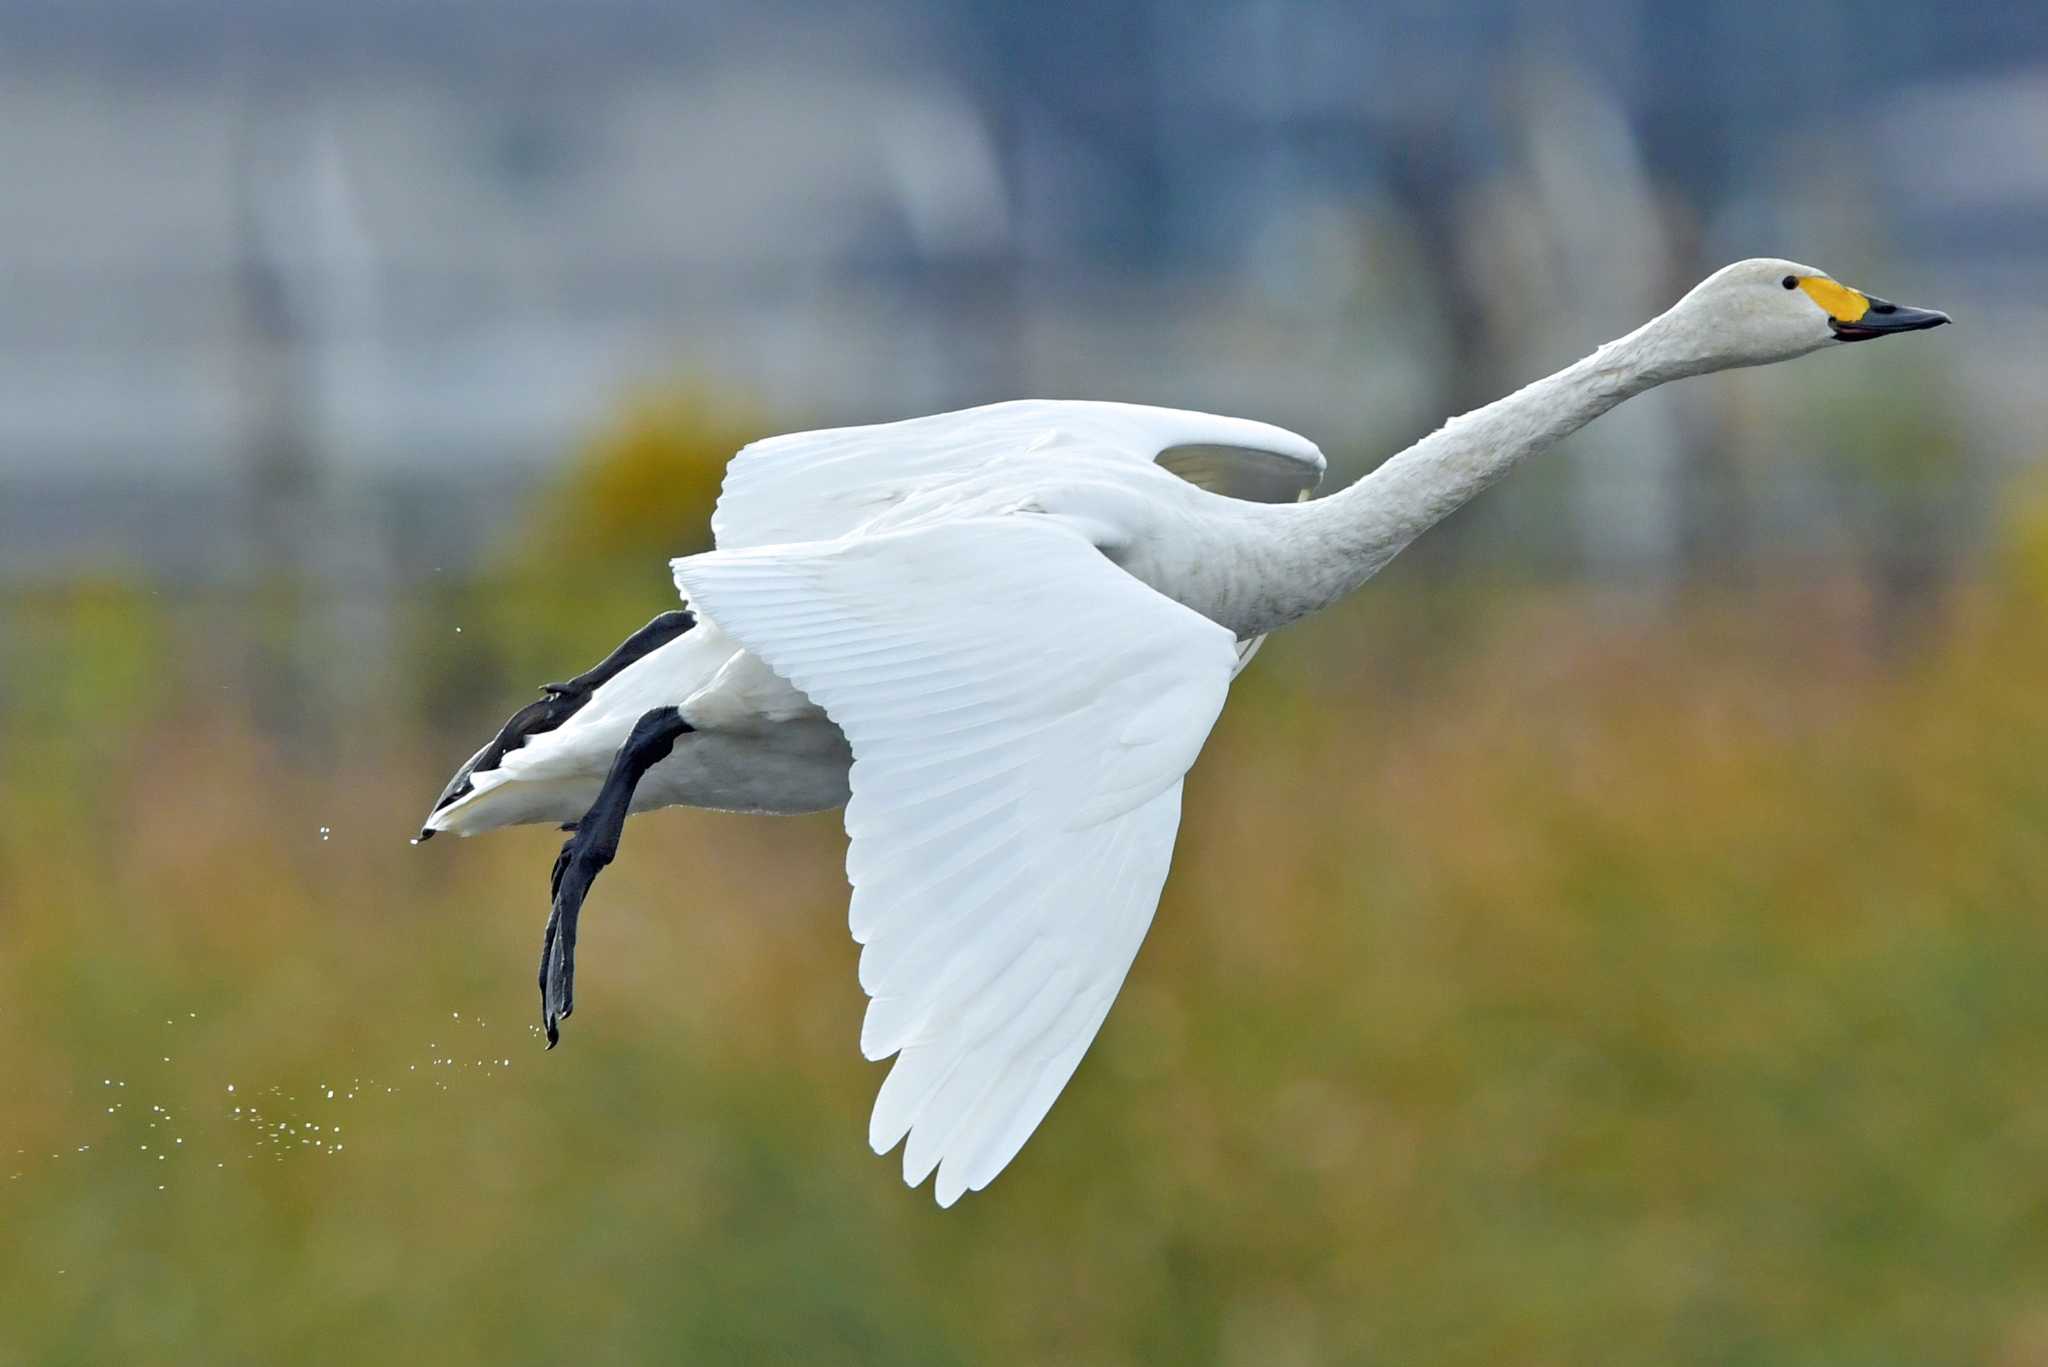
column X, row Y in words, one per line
column 1843, row 304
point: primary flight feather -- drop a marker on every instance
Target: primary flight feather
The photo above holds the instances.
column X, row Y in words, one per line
column 1000, row 638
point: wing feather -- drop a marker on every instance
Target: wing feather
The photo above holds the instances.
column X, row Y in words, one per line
column 1021, row 713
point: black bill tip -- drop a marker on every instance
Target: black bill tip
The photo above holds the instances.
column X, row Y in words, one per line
column 1883, row 318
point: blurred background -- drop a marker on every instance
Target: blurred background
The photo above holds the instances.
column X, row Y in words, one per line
column 1615, row 936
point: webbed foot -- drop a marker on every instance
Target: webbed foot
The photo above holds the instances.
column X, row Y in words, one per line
column 585, row 854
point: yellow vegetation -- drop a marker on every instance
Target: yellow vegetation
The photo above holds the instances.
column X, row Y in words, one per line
column 1538, row 983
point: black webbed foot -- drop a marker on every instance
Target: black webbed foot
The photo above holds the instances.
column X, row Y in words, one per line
column 585, row 854
column 547, row 943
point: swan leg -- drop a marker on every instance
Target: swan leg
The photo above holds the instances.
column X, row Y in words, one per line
column 585, row 854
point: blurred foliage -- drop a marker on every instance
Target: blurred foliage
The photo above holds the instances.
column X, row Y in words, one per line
column 1540, row 981
column 642, row 490
column 591, row 561
column 2026, row 539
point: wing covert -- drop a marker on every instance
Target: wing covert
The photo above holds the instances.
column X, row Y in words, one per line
column 812, row 486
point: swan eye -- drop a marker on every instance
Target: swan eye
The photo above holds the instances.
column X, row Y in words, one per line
column 1790, row 282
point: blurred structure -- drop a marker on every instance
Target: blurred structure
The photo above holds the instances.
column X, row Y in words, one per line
column 357, row 257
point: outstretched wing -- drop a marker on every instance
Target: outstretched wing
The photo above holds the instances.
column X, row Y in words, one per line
column 1021, row 713
column 812, row 486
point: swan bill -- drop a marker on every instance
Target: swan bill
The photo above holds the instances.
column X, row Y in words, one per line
column 1854, row 316
column 1883, row 318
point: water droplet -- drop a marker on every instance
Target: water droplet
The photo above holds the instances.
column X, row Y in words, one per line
column 231, row 1086
column 326, row 831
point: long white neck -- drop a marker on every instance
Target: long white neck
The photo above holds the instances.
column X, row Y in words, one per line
column 1315, row 553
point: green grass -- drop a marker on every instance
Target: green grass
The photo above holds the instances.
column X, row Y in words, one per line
column 1541, row 980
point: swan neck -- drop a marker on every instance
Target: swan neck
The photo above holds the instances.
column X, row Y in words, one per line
column 1345, row 539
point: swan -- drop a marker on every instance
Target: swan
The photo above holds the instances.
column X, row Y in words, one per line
column 999, row 638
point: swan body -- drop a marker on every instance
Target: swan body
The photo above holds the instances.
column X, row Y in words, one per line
column 762, row 746
column 1000, row 637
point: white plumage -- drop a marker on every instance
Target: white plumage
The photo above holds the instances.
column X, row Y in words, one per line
column 1001, row 637
column 1021, row 714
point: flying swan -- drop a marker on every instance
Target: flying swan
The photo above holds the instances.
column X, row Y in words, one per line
column 999, row 638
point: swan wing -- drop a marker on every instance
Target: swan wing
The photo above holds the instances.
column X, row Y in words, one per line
column 812, row 486
column 1021, row 713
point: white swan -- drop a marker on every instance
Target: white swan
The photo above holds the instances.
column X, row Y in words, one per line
column 1000, row 637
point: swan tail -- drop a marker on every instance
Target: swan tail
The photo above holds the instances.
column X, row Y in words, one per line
column 487, row 792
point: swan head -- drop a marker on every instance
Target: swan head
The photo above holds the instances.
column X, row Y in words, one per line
column 1763, row 310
